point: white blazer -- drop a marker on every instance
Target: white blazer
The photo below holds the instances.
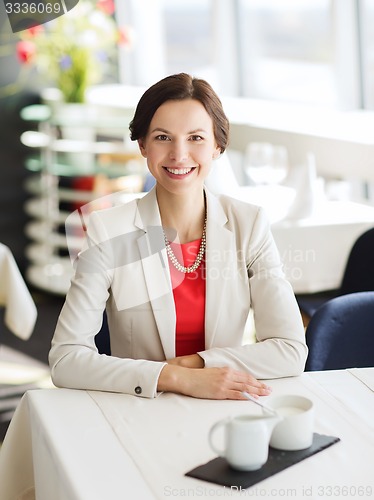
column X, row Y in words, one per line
column 124, row 268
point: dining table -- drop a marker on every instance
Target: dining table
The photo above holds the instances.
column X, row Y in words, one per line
column 65, row 444
column 315, row 249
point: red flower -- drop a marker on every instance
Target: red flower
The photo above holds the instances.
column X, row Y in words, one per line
column 106, row 6
column 25, row 51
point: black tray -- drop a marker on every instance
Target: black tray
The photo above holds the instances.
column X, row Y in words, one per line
column 219, row 471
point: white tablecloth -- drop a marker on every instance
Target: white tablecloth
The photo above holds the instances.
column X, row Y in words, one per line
column 92, row 446
column 314, row 249
column 20, row 310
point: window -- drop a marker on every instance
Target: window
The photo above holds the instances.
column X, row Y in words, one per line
column 303, row 51
column 188, row 34
column 367, row 46
column 288, row 50
column 308, row 52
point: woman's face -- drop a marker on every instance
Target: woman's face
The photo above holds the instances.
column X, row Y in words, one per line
column 180, row 145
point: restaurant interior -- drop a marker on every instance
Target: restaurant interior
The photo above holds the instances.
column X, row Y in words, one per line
column 296, row 79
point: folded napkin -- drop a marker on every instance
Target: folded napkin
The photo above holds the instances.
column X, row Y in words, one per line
column 303, row 178
column 20, row 310
column 221, row 178
column 219, row 471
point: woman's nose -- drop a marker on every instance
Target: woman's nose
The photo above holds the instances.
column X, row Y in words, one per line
column 178, row 151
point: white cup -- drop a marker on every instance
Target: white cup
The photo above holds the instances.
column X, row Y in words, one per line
column 246, row 440
column 295, row 430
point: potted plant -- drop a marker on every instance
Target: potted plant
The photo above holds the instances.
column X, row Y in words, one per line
column 75, row 50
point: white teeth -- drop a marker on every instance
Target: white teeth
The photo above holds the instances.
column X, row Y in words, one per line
column 179, row 171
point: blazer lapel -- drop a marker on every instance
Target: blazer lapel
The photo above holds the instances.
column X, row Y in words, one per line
column 156, row 270
column 219, row 252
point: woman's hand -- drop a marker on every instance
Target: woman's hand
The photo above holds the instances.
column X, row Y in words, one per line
column 209, row 383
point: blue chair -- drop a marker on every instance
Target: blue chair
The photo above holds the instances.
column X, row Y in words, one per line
column 358, row 276
column 341, row 333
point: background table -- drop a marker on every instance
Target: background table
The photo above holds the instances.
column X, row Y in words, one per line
column 314, row 249
column 93, row 445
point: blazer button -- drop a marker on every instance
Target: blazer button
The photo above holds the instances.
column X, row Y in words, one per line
column 138, row 390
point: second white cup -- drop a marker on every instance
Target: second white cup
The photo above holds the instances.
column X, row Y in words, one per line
column 295, row 431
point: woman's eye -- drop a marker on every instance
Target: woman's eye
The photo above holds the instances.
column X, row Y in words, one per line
column 162, row 137
column 196, row 138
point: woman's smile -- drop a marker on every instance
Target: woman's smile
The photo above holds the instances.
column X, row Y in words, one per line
column 179, row 172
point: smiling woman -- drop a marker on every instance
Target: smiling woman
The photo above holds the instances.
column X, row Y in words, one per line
column 176, row 313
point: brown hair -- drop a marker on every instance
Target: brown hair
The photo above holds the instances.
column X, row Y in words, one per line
column 180, row 87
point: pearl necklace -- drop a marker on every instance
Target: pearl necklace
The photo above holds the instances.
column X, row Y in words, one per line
column 199, row 257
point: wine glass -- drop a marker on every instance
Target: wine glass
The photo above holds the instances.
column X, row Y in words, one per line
column 266, row 163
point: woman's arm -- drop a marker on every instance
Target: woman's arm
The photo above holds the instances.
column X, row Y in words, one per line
column 74, row 360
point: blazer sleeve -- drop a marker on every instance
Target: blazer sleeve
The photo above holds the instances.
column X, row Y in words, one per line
column 280, row 349
column 74, row 360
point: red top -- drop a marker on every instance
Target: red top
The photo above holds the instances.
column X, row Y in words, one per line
column 189, row 298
